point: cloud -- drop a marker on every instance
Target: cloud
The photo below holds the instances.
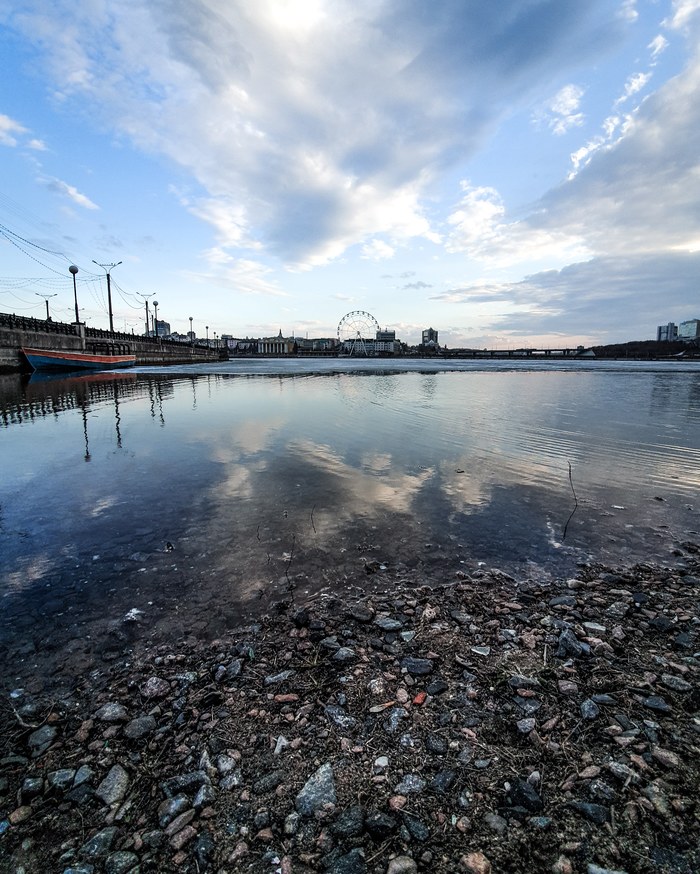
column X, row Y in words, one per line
column 561, row 113
column 69, row 191
column 310, row 127
column 377, row 250
column 10, row 130
column 241, row 275
column 417, row 286
column 633, row 85
column 481, row 229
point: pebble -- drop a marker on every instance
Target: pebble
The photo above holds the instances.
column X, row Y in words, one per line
column 114, row 786
column 318, row 791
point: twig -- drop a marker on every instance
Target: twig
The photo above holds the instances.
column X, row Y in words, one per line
column 571, row 482
column 312, row 518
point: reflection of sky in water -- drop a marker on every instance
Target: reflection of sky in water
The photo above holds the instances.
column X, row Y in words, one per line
column 239, row 471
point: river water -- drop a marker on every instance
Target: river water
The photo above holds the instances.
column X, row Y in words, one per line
column 196, row 496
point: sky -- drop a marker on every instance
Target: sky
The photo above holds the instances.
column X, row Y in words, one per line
column 523, row 173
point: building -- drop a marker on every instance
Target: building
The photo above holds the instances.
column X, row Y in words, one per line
column 430, row 338
column 278, row 345
column 689, row 331
column 667, row 333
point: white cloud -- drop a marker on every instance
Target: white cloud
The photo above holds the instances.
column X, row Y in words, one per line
column 240, row 275
column 633, row 85
column 10, row 130
column 561, row 113
column 658, row 45
column 71, row 192
column 377, row 250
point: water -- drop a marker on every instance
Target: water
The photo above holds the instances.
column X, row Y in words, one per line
column 200, row 495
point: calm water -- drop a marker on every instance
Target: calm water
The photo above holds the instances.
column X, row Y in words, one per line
column 267, row 475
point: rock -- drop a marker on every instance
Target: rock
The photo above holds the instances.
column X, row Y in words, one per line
column 114, row 786
column 171, row 808
column 443, row 781
column 402, row 865
column 589, row 709
column 523, row 794
column 351, row 863
column 591, row 868
column 112, row 712
column 187, row 783
column 268, row 782
column 595, row 812
column 121, row 862
column 40, row 740
column 380, row 825
column 415, row 826
column 525, row 726
column 569, row 645
column 675, row 683
column 276, row 679
column 475, row 863
column 318, row 791
column 61, row 780
column 344, row 655
column 417, row 667
column 99, row 844
column 496, row 823
column 154, row 688
column 387, row 624
column 665, row 757
column 411, row 784
column 657, row 703
column 481, row 650
column 140, row 727
column 350, row 823
column 339, row 717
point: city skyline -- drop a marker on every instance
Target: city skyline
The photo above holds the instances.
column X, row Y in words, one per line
column 522, row 175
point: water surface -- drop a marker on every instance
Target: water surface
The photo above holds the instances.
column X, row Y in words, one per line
column 200, row 494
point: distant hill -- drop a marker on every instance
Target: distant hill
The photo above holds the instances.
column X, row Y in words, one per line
column 647, row 349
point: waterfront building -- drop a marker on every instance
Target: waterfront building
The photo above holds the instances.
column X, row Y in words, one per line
column 278, row 345
column 689, row 331
column 430, row 338
column 667, row 333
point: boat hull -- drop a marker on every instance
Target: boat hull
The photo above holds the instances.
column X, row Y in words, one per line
column 47, row 359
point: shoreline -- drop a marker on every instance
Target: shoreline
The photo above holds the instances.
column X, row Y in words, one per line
column 486, row 724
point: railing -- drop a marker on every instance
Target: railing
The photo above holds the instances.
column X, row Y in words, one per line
column 26, row 323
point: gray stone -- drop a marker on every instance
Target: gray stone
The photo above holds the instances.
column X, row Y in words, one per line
column 595, row 812
column 84, row 774
column 140, row 727
column 481, row 650
column 562, row 600
column 41, row 739
column 591, row 868
column 318, row 791
column 569, row 645
column 344, row 655
column 527, row 705
column 339, row 717
column 155, row 687
column 60, row 780
column 675, row 683
column 443, row 781
column 380, row 825
column 525, row 726
column 387, row 624
column 589, row 709
column 114, row 786
column 31, row 788
column 231, row 780
column 411, row 784
column 518, row 681
column 172, row 807
column 417, row 667
column 80, row 869
column 205, row 797
column 268, row 782
column 112, row 712
column 121, row 862
column 402, row 865
column 275, row 679
column 496, row 823
column 350, row 823
column 100, row 843
column 657, row 703
column 523, row 794
column 188, row 783
column 351, row 863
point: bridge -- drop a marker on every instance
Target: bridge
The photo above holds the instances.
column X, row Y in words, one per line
column 18, row 331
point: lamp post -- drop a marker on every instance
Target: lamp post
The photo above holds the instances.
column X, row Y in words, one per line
column 46, row 299
column 145, row 297
column 73, row 269
column 107, row 268
column 207, row 327
column 155, row 321
column 216, row 341
column 191, row 334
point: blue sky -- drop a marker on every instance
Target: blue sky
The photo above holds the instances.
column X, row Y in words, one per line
column 517, row 173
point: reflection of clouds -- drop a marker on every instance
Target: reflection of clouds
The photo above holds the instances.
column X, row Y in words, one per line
column 359, row 489
column 465, row 491
column 34, row 570
column 103, row 504
column 239, row 438
column 376, row 461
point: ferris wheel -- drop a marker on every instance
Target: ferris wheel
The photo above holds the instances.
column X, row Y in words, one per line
column 355, row 329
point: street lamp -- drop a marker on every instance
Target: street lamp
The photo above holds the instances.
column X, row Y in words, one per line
column 155, row 321
column 191, row 334
column 207, row 327
column 145, row 297
column 73, row 269
column 107, row 268
column 46, row 299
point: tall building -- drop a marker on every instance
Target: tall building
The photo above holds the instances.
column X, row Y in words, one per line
column 689, row 331
column 430, row 337
column 666, row 333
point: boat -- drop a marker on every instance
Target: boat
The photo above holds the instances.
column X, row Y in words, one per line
column 48, row 359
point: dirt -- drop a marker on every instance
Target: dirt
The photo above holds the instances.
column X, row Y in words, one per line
column 486, row 724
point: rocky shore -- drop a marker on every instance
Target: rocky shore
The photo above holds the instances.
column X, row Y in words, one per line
column 484, row 725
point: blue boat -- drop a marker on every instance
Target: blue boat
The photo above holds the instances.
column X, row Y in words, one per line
column 47, row 359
